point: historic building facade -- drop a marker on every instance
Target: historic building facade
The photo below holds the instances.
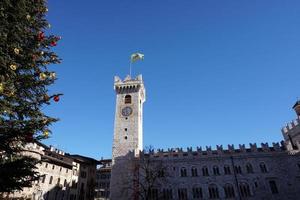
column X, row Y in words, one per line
column 63, row 176
column 103, row 174
column 254, row 172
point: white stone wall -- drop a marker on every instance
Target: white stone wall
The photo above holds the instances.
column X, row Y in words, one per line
column 128, row 133
column 43, row 186
column 128, row 130
column 65, row 182
column 281, row 167
column 58, row 173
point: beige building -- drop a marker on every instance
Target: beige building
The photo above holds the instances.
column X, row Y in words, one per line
column 246, row 172
column 63, row 176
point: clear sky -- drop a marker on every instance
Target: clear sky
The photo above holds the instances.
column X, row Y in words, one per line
column 216, row 72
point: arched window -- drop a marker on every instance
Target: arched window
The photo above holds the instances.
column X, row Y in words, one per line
column 273, row 187
column 216, row 170
column 51, row 179
column 58, row 181
column 153, row 193
column 249, row 168
column 194, row 171
column 167, row 194
column 263, row 168
column 182, row 194
column 205, row 171
column 245, row 190
column 213, row 191
column 238, row 169
column 227, row 169
column 127, row 99
column 197, row 192
column 183, row 172
column 229, row 191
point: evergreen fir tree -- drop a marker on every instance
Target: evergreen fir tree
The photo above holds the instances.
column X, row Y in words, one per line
column 25, row 54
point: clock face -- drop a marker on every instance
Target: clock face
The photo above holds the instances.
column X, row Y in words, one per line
column 126, row 111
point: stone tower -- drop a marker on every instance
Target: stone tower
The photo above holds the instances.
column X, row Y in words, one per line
column 128, row 132
column 291, row 132
column 128, row 128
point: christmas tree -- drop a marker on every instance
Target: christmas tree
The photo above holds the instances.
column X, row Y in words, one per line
column 25, row 55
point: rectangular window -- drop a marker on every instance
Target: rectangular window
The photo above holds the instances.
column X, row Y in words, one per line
column 205, row 171
column 65, row 183
column 167, row 194
column 227, row 170
column 194, row 172
column 44, row 178
column 273, row 187
column 183, row 172
column 182, row 194
column 74, row 184
column 197, row 193
column 238, row 169
column 153, row 194
column 83, row 174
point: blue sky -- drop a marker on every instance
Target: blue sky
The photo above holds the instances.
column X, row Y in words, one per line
column 216, row 72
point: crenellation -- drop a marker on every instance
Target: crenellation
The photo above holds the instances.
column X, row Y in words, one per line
column 160, row 150
column 151, row 151
column 208, row 150
column 253, row 147
column 242, row 147
column 283, row 145
column 291, row 125
column 231, row 148
column 219, row 148
column 265, row 146
column 179, row 150
column 276, row 146
column 199, row 149
column 284, row 130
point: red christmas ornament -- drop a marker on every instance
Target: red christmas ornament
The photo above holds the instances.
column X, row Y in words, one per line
column 56, row 98
column 34, row 57
column 41, row 36
column 53, row 43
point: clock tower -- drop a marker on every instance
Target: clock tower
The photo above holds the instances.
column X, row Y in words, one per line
column 128, row 127
column 128, row 134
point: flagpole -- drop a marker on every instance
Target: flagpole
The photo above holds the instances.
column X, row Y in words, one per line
column 130, row 68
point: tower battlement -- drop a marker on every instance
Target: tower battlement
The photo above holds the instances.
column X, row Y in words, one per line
column 291, row 126
column 219, row 150
column 128, row 85
column 291, row 135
